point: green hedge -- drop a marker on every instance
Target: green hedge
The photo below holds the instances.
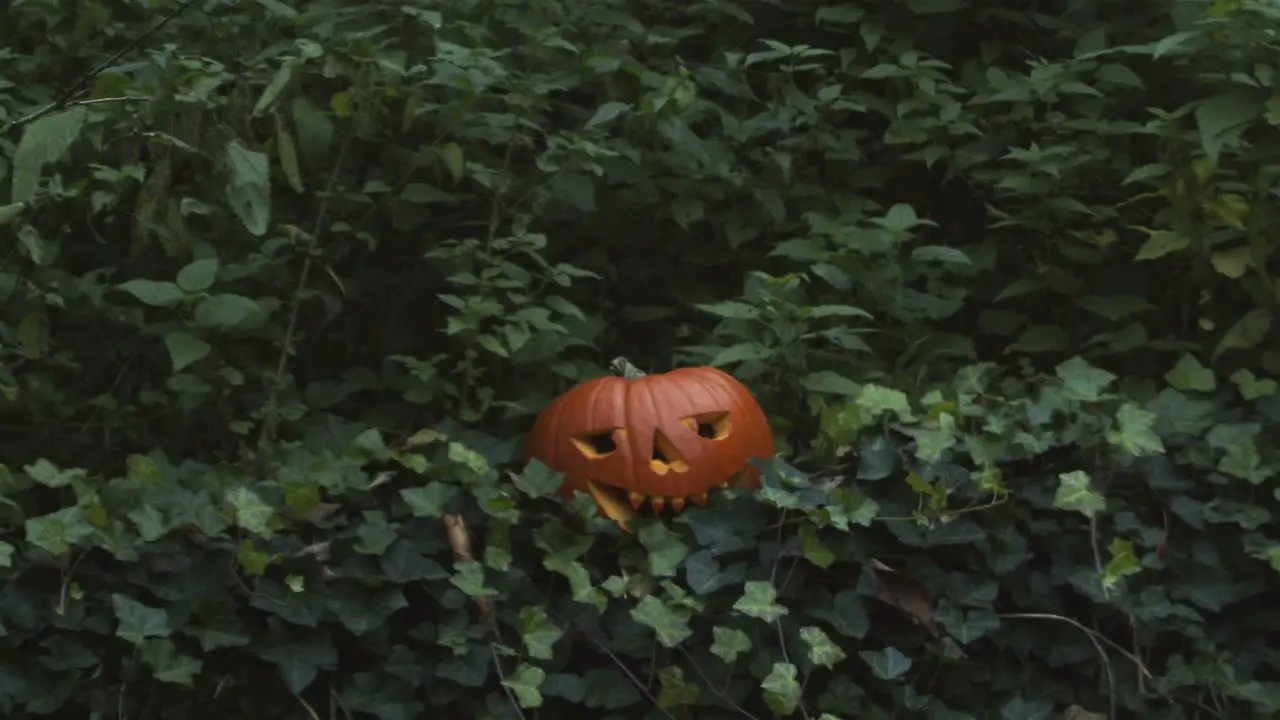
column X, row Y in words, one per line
column 286, row 284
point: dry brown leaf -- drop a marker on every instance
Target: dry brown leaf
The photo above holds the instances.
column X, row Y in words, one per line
column 907, row 594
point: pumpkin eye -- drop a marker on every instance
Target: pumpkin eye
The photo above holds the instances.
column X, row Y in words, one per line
column 712, row 426
column 596, row 445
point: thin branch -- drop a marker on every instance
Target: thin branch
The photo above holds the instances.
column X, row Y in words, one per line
column 268, row 431
column 78, row 86
column 631, row 676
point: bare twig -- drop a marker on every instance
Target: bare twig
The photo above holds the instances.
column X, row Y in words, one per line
column 631, row 676
column 268, row 430
column 502, row 680
column 78, row 86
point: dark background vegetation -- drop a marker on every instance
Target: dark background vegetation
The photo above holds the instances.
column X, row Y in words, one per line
column 285, row 284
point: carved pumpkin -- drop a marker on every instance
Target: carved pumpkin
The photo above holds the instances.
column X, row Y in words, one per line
column 661, row 440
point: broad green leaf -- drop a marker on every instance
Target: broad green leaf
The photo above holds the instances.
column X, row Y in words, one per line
column 1135, row 431
column 674, row 690
column 537, row 480
column 198, row 275
column 153, row 292
column 249, row 187
column 44, row 140
column 1246, row 333
column 1123, row 563
column 225, row 311
column 185, row 349
column 664, row 549
column 1160, row 243
column 58, row 531
column 252, row 513
column 1251, row 386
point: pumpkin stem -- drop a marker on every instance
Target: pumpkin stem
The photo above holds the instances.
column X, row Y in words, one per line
column 623, row 367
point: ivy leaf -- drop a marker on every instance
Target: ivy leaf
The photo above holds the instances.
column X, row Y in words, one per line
column 1246, row 333
column 759, row 601
column 50, row 475
column 1136, row 431
column 249, row 189
column 821, row 650
column 670, row 626
column 58, row 531
column 782, row 689
column 1082, row 381
column 525, row 684
column 887, row 664
column 1189, row 374
column 537, row 480
column 252, row 513
column 1123, row 563
column 729, row 643
column 138, row 621
column 429, row 500
column 538, row 632
column 1251, row 386
column 875, row 400
column 674, row 690
column 1075, row 492
column 665, row 549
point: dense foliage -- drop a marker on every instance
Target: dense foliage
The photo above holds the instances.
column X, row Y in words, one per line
column 286, row 284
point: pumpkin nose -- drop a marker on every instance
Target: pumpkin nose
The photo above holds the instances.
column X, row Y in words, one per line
column 666, row 457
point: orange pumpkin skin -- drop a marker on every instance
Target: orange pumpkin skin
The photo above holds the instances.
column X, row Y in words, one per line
column 665, row 438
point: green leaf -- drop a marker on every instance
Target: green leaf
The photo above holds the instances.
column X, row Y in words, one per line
column 468, row 576
column 1222, row 118
column 1248, row 331
column 58, row 531
column 1160, row 243
column 674, row 690
column 198, row 275
column 538, row 632
column 167, row 664
column 1075, row 492
column 1252, row 387
column 1135, row 431
column 1082, row 381
column 138, row 621
column 1189, row 374
column 185, row 349
column 225, row 311
column 429, row 500
column 825, row 381
column 821, row 650
column 665, row 550
column 154, row 292
column 50, row 475
column 251, row 512
column 607, row 113
column 670, row 626
column 249, row 189
column 875, row 400
column 782, row 689
column 759, row 600
column 537, row 480
column 1123, row 563
column 729, row 643
column 44, row 140
column 6, row 556
column 525, row 684
column 887, row 664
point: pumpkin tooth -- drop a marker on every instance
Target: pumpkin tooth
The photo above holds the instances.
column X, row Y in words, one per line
column 700, row 498
column 677, row 503
column 658, row 503
column 637, row 500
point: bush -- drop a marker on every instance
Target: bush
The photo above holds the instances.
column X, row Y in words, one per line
column 287, row 285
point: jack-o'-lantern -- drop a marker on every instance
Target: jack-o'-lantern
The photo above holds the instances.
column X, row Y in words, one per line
column 660, row 440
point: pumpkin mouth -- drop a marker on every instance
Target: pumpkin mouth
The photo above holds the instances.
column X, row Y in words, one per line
column 621, row 505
